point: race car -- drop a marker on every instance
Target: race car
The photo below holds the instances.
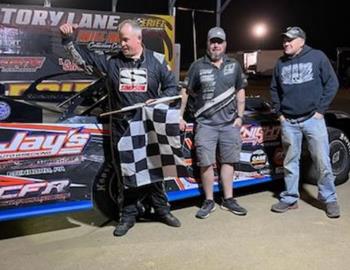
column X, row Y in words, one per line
column 64, row 164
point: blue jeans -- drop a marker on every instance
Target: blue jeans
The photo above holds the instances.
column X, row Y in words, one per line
column 315, row 132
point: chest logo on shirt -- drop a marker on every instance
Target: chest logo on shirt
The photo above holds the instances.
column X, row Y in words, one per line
column 297, row 73
column 229, row 69
column 133, row 80
column 206, row 75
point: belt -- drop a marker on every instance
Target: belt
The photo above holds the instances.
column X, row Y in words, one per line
column 300, row 119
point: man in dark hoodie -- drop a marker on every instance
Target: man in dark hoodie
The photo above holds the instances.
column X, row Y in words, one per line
column 303, row 85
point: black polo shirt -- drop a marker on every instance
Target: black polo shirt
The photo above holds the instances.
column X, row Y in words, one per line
column 206, row 81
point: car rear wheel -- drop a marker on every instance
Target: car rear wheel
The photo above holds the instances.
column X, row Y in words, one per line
column 104, row 192
column 339, row 145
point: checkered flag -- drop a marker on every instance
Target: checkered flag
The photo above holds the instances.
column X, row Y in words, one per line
column 150, row 149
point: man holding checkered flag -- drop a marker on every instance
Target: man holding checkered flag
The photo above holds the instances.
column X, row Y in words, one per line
column 135, row 75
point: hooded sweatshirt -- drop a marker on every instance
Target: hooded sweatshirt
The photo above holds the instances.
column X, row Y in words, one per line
column 303, row 84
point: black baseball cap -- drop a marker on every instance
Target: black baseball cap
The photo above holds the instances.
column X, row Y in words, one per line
column 294, row 32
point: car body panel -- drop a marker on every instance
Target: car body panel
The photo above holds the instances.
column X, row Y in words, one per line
column 47, row 168
column 37, row 178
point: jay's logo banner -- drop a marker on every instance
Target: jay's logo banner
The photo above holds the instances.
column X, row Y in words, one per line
column 30, row 45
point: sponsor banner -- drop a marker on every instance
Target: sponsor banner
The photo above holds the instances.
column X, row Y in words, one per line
column 30, row 42
column 42, row 163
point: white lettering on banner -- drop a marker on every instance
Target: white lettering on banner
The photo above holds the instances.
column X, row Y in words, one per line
column 24, row 16
column 70, row 17
column 23, row 145
column 133, row 80
column 100, row 21
column 86, row 21
column 55, row 17
column 21, row 190
column 113, row 22
column 36, row 171
column 41, row 17
column 7, row 15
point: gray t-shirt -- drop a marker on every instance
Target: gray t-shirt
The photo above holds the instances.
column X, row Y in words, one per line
column 205, row 81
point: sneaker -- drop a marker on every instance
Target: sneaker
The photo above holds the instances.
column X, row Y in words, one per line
column 282, row 207
column 122, row 228
column 207, row 207
column 231, row 205
column 332, row 210
column 170, row 220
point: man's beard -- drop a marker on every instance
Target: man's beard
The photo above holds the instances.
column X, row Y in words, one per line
column 215, row 56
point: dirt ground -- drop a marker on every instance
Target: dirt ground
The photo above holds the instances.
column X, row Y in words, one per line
column 299, row 239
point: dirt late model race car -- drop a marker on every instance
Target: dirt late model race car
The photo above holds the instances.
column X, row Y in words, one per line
column 48, row 168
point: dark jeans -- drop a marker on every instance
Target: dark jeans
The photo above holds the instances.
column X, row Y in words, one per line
column 152, row 193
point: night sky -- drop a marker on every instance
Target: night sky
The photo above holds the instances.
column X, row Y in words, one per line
column 325, row 22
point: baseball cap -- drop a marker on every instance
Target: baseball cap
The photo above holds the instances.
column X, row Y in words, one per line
column 216, row 32
column 294, row 32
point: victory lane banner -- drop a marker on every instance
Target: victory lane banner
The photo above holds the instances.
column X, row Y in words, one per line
column 30, row 44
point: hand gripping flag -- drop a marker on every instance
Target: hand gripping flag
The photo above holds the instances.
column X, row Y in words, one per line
column 150, row 149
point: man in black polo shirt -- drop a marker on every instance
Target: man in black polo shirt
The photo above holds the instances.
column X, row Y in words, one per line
column 216, row 84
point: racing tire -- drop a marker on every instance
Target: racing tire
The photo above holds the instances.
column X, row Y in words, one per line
column 104, row 192
column 339, row 145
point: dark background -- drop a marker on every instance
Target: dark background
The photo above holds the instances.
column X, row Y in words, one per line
column 325, row 22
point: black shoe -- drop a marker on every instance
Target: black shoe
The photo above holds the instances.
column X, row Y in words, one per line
column 170, row 219
column 207, row 207
column 332, row 210
column 282, row 207
column 232, row 205
column 122, row 228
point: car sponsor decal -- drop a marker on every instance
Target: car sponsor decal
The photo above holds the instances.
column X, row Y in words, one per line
column 21, row 63
column 260, row 134
column 25, row 145
column 258, row 159
column 21, row 190
column 5, row 110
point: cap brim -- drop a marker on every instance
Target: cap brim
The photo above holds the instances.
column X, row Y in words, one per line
column 210, row 38
column 288, row 35
column 291, row 36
